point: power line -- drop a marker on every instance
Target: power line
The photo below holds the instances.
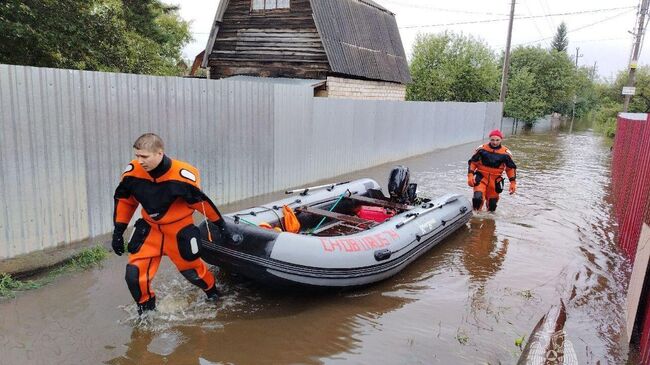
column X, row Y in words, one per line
column 534, row 21
column 417, row 6
column 628, row 8
column 547, row 10
column 579, row 28
column 599, row 40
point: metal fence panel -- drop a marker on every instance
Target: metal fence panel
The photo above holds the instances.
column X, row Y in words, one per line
column 65, row 138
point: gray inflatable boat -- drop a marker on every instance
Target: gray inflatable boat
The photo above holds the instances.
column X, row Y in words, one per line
column 350, row 235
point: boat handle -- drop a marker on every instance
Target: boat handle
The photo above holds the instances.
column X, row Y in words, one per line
column 381, row 255
column 304, row 191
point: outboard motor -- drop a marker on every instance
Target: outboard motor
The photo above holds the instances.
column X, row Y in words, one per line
column 412, row 193
column 398, row 184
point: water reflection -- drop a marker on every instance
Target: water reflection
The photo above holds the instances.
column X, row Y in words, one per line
column 483, row 254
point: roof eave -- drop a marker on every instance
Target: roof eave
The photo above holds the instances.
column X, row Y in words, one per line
column 218, row 17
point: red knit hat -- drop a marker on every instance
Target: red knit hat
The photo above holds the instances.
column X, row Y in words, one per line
column 497, row 133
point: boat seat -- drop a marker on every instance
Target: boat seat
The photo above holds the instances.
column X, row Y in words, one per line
column 379, row 202
column 334, row 215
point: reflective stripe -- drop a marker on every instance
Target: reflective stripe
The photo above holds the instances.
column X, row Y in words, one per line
column 188, row 175
column 194, row 245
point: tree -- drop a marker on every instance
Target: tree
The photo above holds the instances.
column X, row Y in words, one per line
column 524, row 101
column 130, row 36
column 610, row 100
column 554, row 77
column 587, row 97
column 451, row 67
column 560, row 41
column 640, row 102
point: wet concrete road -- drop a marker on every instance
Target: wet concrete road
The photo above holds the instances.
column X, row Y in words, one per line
column 464, row 302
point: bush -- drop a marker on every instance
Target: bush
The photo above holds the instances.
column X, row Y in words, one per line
column 604, row 119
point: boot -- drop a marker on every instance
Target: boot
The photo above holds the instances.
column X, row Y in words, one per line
column 149, row 305
column 212, row 294
column 492, row 204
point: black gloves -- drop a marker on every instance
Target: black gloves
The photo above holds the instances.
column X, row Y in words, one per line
column 223, row 229
column 118, row 238
column 225, row 232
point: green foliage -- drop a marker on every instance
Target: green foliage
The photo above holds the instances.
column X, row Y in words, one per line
column 519, row 341
column 452, row 67
column 605, row 118
column 548, row 78
column 143, row 36
column 640, row 102
column 610, row 101
column 525, row 101
column 587, row 94
column 560, row 41
column 89, row 257
column 9, row 285
column 85, row 259
column 462, row 337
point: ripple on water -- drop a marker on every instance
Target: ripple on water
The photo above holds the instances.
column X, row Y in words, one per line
column 466, row 300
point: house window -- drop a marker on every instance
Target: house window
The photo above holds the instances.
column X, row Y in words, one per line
column 262, row 5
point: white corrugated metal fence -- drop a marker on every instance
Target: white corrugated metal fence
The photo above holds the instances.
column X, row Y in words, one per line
column 66, row 136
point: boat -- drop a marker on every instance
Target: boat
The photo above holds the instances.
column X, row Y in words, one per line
column 350, row 234
column 548, row 343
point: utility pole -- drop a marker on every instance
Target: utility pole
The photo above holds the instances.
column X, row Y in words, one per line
column 635, row 51
column 573, row 112
column 506, row 58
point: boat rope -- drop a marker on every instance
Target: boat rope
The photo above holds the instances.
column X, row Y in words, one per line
column 207, row 226
column 331, row 209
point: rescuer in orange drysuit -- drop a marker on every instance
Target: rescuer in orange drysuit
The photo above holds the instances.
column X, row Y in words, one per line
column 485, row 172
column 169, row 193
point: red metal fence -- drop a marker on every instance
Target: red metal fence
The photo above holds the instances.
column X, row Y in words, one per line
column 631, row 178
column 631, row 192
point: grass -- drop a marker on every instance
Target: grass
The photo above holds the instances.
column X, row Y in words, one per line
column 462, row 337
column 519, row 342
column 89, row 257
column 84, row 260
column 527, row 294
column 9, row 285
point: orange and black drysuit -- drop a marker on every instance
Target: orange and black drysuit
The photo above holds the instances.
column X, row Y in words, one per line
column 486, row 172
column 169, row 195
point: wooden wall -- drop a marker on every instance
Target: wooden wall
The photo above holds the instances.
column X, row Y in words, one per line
column 278, row 43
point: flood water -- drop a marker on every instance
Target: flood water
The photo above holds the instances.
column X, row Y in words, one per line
column 464, row 302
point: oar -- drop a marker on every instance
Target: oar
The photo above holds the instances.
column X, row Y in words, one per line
column 331, row 209
column 304, row 191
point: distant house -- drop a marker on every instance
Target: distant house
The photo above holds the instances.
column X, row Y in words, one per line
column 353, row 45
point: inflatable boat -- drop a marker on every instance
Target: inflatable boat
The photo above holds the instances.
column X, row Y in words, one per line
column 350, row 233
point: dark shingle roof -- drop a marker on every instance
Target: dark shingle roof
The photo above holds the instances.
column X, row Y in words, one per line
column 361, row 39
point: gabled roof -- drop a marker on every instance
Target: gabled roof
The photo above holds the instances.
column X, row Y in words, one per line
column 360, row 38
column 216, row 23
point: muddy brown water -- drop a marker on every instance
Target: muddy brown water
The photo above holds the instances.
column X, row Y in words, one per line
column 464, row 302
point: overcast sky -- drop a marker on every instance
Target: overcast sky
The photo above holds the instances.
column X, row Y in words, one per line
column 599, row 27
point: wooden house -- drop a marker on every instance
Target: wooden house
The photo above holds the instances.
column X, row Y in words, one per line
column 352, row 44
